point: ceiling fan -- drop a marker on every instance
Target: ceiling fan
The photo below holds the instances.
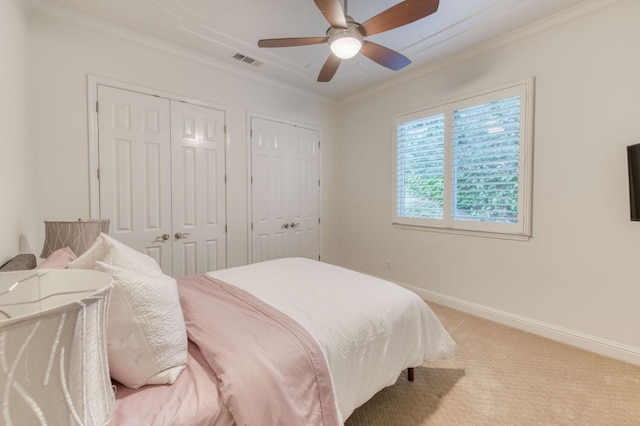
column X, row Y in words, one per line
column 346, row 36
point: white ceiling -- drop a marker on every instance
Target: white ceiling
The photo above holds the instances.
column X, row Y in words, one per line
column 218, row 29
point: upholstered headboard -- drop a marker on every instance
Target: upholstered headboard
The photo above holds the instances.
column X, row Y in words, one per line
column 19, row 263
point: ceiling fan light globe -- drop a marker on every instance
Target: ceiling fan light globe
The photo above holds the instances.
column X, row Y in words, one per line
column 345, row 45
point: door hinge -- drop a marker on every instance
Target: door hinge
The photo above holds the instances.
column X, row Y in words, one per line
column 251, row 133
column 252, row 226
column 97, row 107
column 251, row 180
column 318, row 221
column 98, row 173
column 225, row 129
column 225, row 179
column 318, row 144
column 225, row 229
column 318, row 258
column 318, row 182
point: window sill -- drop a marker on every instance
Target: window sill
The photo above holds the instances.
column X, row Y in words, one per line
column 512, row 237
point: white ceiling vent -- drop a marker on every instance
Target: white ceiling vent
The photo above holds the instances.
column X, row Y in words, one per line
column 246, row 59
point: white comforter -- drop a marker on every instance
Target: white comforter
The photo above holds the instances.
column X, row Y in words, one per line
column 368, row 329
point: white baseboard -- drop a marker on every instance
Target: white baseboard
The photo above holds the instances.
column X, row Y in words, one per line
column 559, row 334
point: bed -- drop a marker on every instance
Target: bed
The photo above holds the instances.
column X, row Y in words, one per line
column 286, row 342
column 369, row 331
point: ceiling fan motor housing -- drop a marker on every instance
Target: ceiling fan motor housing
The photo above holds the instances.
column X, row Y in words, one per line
column 346, row 42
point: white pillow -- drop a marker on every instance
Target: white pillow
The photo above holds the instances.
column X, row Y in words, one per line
column 109, row 250
column 146, row 336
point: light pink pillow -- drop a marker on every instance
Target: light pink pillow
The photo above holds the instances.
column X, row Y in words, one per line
column 59, row 259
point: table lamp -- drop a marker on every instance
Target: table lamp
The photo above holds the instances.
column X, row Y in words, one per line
column 78, row 235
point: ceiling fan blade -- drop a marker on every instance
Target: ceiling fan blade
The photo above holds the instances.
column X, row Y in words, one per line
column 333, row 13
column 401, row 14
column 329, row 69
column 289, row 42
column 384, row 56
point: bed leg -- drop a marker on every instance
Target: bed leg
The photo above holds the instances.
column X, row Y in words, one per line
column 410, row 374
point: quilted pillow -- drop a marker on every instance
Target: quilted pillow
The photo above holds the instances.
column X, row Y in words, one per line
column 146, row 336
column 59, row 259
column 109, row 250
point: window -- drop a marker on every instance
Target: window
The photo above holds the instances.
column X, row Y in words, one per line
column 465, row 166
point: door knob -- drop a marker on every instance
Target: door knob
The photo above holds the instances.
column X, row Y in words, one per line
column 294, row 225
column 179, row 235
column 285, row 226
column 163, row 237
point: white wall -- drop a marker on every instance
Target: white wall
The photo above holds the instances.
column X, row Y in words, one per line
column 17, row 226
column 581, row 270
column 577, row 273
column 64, row 54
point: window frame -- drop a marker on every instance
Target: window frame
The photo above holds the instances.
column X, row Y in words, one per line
column 521, row 230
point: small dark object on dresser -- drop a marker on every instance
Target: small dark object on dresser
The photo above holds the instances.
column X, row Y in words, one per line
column 20, row 263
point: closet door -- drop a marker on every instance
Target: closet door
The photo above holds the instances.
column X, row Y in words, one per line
column 304, row 194
column 135, row 163
column 284, row 191
column 198, row 189
column 162, row 178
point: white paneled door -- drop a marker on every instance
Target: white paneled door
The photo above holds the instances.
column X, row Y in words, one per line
column 135, row 156
column 285, row 191
column 199, row 219
column 162, row 178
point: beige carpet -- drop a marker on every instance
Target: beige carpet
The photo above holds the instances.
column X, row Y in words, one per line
column 503, row 376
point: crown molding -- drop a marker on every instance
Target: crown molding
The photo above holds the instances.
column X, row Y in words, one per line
column 58, row 14
column 542, row 28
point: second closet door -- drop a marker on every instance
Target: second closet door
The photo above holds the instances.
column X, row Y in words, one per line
column 285, row 191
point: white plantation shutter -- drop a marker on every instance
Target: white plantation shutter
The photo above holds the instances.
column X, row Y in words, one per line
column 486, row 153
column 420, row 171
column 466, row 165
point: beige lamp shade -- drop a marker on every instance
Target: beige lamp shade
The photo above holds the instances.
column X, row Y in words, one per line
column 54, row 368
column 78, row 235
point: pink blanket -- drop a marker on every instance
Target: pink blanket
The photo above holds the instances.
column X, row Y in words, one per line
column 249, row 364
column 270, row 370
column 193, row 400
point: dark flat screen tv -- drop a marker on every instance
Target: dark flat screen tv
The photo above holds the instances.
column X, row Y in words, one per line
column 633, row 159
